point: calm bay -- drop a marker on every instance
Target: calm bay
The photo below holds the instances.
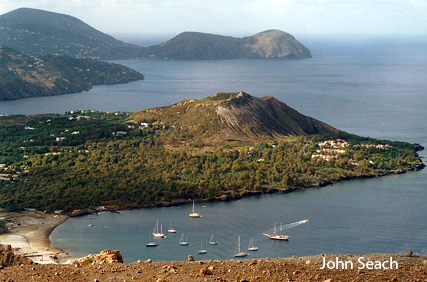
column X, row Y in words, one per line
column 371, row 87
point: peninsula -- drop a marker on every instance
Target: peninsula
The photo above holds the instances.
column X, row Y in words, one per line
column 223, row 147
column 23, row 76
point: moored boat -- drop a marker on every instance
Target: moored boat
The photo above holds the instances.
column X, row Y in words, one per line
column 239, row 253
column 170, row 229
column 156, row 232
column 151, row 244
column 202, row 251
column 182, row 241
column 194, row 214
column 212, row 241
column 251, row 246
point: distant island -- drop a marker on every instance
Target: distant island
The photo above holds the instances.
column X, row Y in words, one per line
column 226, row 146
column 33, row 31
column 270, row 44
column 23, row 76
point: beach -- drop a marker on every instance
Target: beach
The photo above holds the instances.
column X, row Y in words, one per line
column 28, row 235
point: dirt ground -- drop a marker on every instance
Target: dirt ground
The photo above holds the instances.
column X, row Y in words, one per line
column 287, row 269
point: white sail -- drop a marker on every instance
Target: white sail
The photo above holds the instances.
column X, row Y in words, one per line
column 238, row 252
column 202, row 251
column 182, row 241
column 170, row 229
column 212, row 241
column 251, row 246
column 156, row 232
column 194, row 214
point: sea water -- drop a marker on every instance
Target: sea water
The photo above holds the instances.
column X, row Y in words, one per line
column 369, row 87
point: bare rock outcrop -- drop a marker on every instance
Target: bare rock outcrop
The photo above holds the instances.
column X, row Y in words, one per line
column 8, row 258
column 104, row 257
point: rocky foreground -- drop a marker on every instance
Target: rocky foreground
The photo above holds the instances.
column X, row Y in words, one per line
column 102, row 268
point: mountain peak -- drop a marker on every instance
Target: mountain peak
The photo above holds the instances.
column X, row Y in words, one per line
column 274, row 43
column 273, row 32
column 29, row 16
column 34, row 31
column 229, row 96
column 233, row 117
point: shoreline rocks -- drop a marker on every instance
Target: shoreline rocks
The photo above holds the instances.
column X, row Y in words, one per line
column 104, row 257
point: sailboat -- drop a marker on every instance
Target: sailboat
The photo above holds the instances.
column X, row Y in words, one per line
column 276, row 236
column 251, row 246
column 238, row 252
column 201, row 249
column 156, row 232
column 170, row 229
column 194, row 214
column 212, row 242
column 183, row 242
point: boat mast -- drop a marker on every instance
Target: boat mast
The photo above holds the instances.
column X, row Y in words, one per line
column 238, row 244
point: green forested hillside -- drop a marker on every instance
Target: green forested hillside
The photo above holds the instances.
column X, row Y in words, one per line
column 81, row 160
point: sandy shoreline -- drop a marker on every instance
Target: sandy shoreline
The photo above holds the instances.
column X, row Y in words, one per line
column 28, row 235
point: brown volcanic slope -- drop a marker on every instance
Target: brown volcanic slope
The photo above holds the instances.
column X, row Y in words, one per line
column 234, row 117
column 298, row 269
column 272, row 44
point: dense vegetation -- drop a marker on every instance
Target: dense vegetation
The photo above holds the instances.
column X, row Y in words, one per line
column 86, row 159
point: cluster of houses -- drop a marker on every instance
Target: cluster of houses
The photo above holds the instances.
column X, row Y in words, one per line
column 330, row 149
column 339, row 143
column 377, row 146
column 142, row 125
column 79, row 117
column 8, row 176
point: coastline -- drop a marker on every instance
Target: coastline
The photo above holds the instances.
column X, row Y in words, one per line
column 29, row 230
column 28, row 234
column 249, row 193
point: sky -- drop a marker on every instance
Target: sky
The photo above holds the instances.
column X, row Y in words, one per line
column 241, row 17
